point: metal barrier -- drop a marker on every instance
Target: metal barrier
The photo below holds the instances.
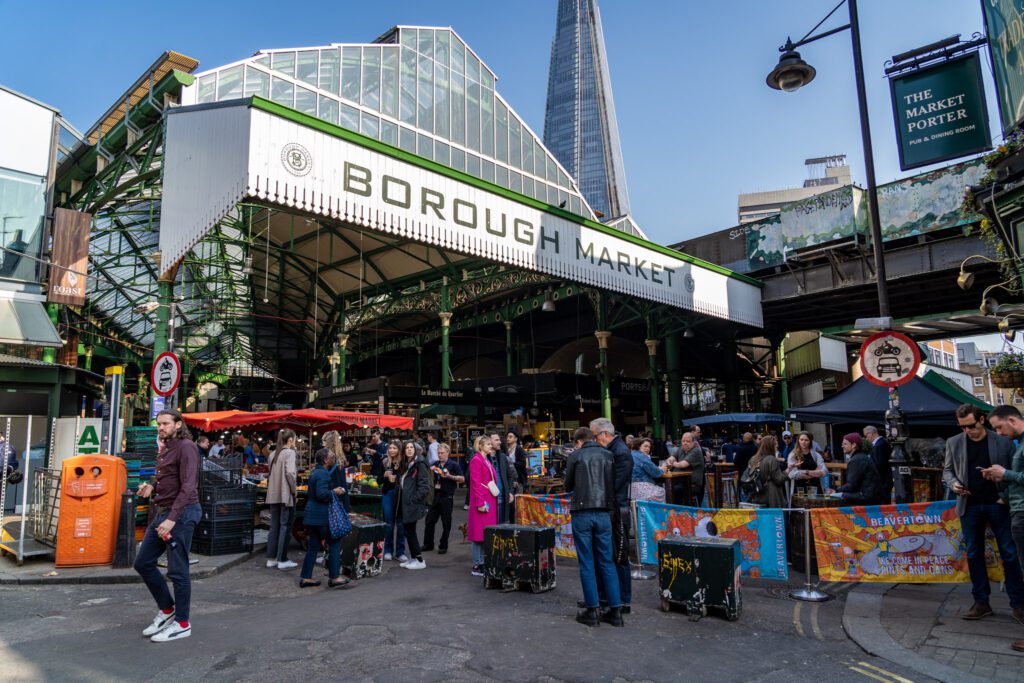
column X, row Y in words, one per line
column 45, row 506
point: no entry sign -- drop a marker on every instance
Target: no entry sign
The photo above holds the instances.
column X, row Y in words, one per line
column 889, row 359
column 166, row 374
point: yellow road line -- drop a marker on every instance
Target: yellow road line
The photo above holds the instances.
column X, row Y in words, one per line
column 890, row 674
column 814, row 622
column 870, row 675
column 796, row 620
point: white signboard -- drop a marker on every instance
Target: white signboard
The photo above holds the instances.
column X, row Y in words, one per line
column 295, row 165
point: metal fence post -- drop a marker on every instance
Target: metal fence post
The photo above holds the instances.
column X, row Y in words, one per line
column 809, row 592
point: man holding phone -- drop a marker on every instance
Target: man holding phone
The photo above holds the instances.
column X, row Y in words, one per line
column 980, row 503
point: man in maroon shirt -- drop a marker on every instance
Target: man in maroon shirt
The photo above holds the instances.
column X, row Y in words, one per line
column 177, row 512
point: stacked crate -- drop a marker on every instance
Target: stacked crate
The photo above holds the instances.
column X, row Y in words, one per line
column 140, row 458
column 229, row 505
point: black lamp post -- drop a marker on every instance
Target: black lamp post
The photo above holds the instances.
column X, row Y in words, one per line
column 792, row 73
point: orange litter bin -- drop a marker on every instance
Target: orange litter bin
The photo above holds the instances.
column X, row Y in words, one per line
column 90, row 499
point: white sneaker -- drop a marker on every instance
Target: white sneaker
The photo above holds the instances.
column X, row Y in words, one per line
column 173, row 632
column 271, row 564
column 415, row 564
column 465, row 507
column 287, row 564
column 387, row 557
column 159, row 624
column 403, row 558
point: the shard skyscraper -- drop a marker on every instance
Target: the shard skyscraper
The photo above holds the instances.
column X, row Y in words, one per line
column 579, row 123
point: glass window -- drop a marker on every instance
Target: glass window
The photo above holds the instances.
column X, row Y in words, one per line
column 425, row 146
column 501, row 175
column 486, row 78
column 306, row 67
column 563, row 180
column 563, row 199
column 500, row 131
column 330, row 70
column 458, row 109
column 305, row 100
column 538, row 159
column 425, row 95
column 426, row 43
column 263, row 60
column 515, row 133
column 575, row 206
column 442, row 152
column 328, row 110
column 487, row 122
column 458, row 159
column 371, row 78
column 256, row 83
column 370, row 126
column 389, row 82
column 528, row 153
column 442, row 116
column 389, row 133
column 472, row 67
column 207, row 88
column 350, row 59
column 408, row 38
column 552, row 170
column 407, row 104
column 473, row 165
column 229, row 85
column 979, row 381
column 349, row 117
column 407, row 140
column 282, row 92
column 284, row 62
column 528, row 186
column 552, row 195
column 515, row 181
column 458, row 56
column 442, row 40
column 22, row 206
column 473, row 115
column 487, row 170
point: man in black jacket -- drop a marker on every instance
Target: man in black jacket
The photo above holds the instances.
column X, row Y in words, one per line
column 863, row 485
column 605, row 436
column 881, row 451
column 590, row 478
column 506, row 480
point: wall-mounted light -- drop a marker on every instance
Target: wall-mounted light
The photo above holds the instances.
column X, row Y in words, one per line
column 549, row 303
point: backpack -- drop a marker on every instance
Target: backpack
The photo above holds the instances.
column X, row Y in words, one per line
column 751, row 482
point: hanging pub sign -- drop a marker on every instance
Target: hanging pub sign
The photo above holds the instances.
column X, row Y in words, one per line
column 940, row 112
column 1004, row 21
column 70, row 260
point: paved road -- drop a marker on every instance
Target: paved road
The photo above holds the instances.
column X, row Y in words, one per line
column 439, row 624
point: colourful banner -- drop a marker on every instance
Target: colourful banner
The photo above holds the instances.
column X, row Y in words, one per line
column 549, row 510
column 761, row 533
column 903, row 543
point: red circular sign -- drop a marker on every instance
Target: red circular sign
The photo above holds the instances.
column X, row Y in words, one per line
column 166, row 374
column 889, row 359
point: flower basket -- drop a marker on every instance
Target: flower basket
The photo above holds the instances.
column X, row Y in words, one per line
column 1008, row 380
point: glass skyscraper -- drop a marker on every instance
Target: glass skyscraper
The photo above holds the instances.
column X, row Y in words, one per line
column 579, row 123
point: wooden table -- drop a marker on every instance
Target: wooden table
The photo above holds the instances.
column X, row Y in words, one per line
column 669, row 478
column 837, row 473
column 720, row 469
column 545, row 484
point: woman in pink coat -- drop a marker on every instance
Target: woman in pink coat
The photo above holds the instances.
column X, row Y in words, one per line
column 483, row 509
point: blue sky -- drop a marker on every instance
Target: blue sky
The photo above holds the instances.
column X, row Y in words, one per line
column 698, row 124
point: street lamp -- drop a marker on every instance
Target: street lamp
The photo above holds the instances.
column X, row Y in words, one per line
column 792, row 73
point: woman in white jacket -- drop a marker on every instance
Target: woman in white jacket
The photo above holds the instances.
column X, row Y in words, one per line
column 281, row 500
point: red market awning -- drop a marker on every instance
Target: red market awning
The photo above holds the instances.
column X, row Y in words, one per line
column 309, row 418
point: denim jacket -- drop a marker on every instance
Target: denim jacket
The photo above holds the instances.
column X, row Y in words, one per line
column 644, row 468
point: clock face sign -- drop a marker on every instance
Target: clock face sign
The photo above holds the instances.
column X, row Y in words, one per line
column 889, row 359
column 166, row 374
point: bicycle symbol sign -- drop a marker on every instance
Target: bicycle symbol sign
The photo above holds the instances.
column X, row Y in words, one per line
column 889, row 359
column 166, row 374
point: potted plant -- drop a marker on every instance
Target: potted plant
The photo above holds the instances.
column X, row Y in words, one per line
column 1008, row 372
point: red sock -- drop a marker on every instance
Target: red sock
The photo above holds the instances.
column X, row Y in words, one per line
column 183, row 624
column 169, row 610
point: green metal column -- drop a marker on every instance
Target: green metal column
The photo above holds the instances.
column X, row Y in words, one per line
column 88, row 357
column 675, row 380
column 419, row 366
column 508, row 348
column 343, row 358
column 50, row 354
column 606, row 382
column 780, row 364
column 652, row 363
column 161, row 331
column 446, row 320
column 335, row 360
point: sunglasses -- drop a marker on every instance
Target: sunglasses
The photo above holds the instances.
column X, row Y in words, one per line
column 971, row 426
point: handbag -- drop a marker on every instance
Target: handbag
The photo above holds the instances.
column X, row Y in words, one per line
column 338, row 520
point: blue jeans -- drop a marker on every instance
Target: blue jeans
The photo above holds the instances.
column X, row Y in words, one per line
column 316, row 535
column 394, row 543
column 592, row 534
column 973, row 522
column 152, row 549
column 478, row 553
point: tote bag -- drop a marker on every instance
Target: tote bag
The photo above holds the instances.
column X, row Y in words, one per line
column 337, row 519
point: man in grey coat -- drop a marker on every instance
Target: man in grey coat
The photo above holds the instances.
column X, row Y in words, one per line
column 981, row 503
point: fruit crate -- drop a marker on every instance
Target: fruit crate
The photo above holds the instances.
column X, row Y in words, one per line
column 228, row 512
column 223, row 546
column 219, row 495
column 223, row 529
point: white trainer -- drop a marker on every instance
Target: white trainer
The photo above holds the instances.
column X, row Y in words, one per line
column 159, row 624
column 173, row 632
column 287, row 564
column 403, row 558
column 415, row 564
column 271, row 564
column 387, row 557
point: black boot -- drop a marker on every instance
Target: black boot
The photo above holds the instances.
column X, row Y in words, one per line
column 613, row 616
column 582, row 604
column 590, row 617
